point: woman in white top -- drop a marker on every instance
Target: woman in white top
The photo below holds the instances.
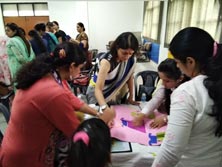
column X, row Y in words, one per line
column 193, row 136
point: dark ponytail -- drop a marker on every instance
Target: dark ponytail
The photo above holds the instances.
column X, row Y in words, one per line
column 199, row 45
column 214, row 85
column 170, row 69
column 41, row 46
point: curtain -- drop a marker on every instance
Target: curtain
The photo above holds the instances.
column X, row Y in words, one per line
column 205, row 14
column 152, row 19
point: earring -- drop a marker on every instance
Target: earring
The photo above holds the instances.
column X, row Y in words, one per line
column 71, row 77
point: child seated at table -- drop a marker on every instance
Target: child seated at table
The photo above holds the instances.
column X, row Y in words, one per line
column 171, row 77
column 91, row 145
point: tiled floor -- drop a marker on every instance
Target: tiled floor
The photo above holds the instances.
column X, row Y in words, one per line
column 139, row 67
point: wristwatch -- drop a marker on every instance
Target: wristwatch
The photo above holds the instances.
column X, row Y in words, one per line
column 101, row 108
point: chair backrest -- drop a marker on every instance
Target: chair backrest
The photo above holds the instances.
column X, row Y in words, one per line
column 82, row 81
column 5, row 100
column 5, row 112
column 145, row 82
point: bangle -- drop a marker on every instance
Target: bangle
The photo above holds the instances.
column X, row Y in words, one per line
column 165, row 119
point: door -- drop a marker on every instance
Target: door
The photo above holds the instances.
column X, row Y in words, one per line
column 26, row 22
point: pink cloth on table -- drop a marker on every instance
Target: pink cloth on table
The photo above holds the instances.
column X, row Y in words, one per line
column 125, row 131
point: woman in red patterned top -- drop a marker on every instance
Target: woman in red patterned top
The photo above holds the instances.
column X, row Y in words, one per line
column 42, row 114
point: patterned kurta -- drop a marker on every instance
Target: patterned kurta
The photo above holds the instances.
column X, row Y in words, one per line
column 18, row 54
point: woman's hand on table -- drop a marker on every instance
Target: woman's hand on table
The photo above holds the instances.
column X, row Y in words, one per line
column 131, row 101
column 108, row 115
column 138, row 119
column 159, row 122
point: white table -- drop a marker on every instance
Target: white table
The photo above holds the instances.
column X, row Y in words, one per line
column 141, row 156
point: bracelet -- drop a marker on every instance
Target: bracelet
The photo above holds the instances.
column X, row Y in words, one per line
column 165, row 119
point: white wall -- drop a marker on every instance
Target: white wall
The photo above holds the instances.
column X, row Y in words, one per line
column 103, row 20
column 163, row 53
column 108, row 19
column 68, row 13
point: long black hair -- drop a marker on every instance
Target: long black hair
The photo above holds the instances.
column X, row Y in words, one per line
column 198, row 44
column 42, row 65
column 21, row 33
column 125, row 40
column 171, row 71
column 95, row 153
column 41, row 46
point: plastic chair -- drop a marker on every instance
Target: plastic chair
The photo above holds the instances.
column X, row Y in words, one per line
column 5, row 100
column 147, row 85
column 6, row 114
column 80, row 83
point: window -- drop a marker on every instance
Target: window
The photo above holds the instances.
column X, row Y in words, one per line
column 25, row 9
column 152, row 20
column 41, row 10
column 205, row 14
column 10, row 10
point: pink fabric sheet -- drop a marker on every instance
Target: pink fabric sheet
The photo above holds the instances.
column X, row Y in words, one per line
column 124, row 130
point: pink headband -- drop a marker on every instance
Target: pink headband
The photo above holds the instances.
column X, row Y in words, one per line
column 81, row 135
column 215, row 49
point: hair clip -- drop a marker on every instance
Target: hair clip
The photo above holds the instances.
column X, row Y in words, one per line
column 62, row 53
column 81, row 135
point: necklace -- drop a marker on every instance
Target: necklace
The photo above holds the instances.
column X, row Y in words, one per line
column 57, row 77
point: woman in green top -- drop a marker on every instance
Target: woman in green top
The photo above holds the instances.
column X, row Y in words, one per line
column 18, row 48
